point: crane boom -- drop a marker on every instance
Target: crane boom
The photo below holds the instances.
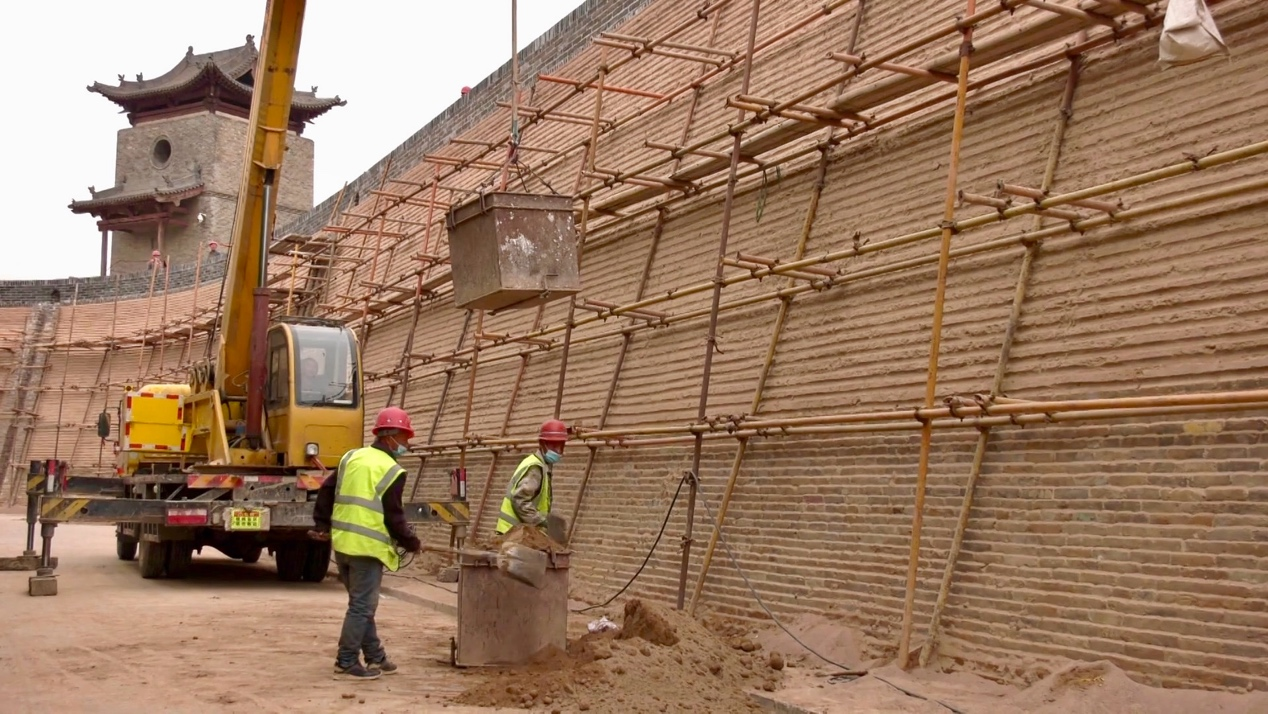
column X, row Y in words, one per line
column 274, row 87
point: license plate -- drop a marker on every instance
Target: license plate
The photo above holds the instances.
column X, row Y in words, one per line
column 246, row 519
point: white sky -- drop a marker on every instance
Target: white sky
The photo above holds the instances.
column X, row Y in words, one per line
column 399, row 63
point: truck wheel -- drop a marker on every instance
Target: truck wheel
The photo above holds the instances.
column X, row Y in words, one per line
column 290, row 559
column 125, row 547
column 153, row 561
column 252, row 554
column 317, row 563
column 179, row 556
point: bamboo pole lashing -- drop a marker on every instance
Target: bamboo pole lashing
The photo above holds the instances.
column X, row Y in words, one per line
column 1039, row 194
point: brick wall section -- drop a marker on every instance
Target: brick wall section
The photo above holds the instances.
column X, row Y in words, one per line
column 1140, row 542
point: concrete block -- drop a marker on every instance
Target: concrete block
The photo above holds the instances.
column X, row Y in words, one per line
column 42, row 585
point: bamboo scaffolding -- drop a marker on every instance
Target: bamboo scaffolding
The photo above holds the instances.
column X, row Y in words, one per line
column 440, row 404
column 1064, row 114
column 589, row 168
column 61, row 399
column 998, row 48
column 699, row 15
column 506, row 425
column 193, row 317
column 902, row 113
column 167, row 282
column 149, row 306
column 944, row 262
column 628, row 336
column 805, row 21
column 1039, row 412
column 993, row 49
column 97, row 383
column 693, row 485
column 960, row 226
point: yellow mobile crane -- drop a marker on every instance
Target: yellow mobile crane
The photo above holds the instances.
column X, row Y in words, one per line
column 233, row 458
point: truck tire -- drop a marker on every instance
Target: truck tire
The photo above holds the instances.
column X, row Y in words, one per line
column 125, row 547
column 252, row 554
column 153, row 560
column 290, row 558
column 179, row 556
column 317, row 564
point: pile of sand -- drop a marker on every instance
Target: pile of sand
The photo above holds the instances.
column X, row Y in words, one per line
column 527, row 536
column 1102, row 687
column 660, row 661
column 1077, row 687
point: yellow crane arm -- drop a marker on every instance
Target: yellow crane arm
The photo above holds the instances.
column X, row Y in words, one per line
column 274, row 87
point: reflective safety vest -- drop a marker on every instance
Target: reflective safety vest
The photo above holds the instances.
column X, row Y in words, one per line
column 508, row 518
column 356, row 525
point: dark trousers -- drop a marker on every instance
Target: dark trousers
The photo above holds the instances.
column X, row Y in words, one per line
column 361, row 577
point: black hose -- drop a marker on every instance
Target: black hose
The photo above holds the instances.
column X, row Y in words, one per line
column 638, row 572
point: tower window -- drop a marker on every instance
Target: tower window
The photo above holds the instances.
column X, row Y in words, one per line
column 162, row 152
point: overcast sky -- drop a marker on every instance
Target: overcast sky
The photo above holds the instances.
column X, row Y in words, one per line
column 398, row 63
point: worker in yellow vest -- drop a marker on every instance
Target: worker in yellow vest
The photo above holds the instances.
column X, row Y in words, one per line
column 528, row 496
column 361, row 507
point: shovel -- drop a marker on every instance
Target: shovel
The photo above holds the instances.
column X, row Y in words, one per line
column 557, row 528
column 525, row 564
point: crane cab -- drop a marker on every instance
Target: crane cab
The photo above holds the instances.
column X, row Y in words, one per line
column 312, row 400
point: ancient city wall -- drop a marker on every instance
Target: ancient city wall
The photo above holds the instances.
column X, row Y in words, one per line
column 1133, row 534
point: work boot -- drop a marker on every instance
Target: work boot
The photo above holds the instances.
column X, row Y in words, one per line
column 385, row 665
column 356, row 671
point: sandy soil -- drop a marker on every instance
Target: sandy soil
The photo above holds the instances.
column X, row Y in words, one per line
column 1076, row 688
column 230, row 639
column 234, row 639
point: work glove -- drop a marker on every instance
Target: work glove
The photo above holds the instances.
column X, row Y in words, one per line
column 413, row 545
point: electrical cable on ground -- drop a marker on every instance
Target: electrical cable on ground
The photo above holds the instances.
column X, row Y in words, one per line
column 656, row 542
column 735, row 564
column 917, row 695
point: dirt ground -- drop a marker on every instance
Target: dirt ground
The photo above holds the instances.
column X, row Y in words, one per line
column 230, row 639
column 234, row 639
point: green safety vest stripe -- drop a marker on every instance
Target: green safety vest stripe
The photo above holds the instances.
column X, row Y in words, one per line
column 361, row 530
column 507, row 518
column 357, row 524
column 374, row 504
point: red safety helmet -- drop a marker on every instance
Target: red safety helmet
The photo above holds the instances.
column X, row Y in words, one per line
column 393, row 418
column 553, row 431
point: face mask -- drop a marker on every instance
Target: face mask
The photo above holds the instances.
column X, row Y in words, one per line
column 553, row 457
column 400, row 450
